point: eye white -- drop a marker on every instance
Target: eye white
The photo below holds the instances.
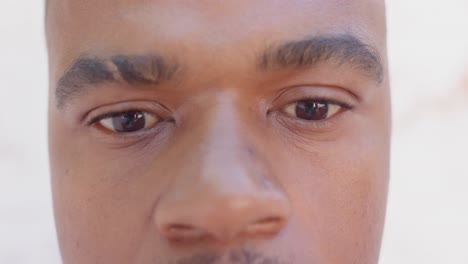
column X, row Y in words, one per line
column 332, row 110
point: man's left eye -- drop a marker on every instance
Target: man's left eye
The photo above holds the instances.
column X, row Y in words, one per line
column 312, row 110
column 130, row 121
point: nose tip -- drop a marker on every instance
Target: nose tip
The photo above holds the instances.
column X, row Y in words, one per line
column 224, row 221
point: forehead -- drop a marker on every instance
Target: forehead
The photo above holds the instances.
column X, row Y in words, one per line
column 113, row 26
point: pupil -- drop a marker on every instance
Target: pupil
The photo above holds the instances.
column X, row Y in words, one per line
column 311, row 110
column 129, row 121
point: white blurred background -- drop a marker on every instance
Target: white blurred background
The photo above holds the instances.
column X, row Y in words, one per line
column 428, row 205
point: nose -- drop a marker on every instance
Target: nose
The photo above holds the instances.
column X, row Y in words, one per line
column 223, row 192
column 221, row 216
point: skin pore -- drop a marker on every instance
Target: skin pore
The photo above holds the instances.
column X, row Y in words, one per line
column 190, row 132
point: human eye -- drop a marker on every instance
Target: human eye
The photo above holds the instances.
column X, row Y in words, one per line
column 314, row 109
column 127, row 122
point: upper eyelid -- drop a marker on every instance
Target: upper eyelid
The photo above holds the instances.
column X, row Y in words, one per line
column 333, row 94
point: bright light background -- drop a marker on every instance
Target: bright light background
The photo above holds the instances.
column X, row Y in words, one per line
column 428, row 205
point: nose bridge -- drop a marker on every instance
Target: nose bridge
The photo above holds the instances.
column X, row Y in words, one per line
column 227, row 192
column 223, row 151
column 223, row 171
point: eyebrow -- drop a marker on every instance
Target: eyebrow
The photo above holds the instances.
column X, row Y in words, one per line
column 152, row 70
column 340, row 50
column 91, row 70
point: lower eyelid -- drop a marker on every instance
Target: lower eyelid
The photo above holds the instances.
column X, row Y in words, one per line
column 305, row 126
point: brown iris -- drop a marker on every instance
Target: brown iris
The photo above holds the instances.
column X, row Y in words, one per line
column 311, row 110
column 129, row 121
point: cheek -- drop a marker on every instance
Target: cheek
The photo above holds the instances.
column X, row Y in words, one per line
column 103, row 199
column 339, row 193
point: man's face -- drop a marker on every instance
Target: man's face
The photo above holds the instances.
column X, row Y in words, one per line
column 190, row 132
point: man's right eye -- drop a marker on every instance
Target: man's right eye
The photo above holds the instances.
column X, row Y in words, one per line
column 128, row 122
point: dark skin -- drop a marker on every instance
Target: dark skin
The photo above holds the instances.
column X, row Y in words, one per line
column 218, row 131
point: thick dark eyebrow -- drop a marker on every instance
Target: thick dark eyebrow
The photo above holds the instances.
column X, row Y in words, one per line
column 339, row 50
column 92, row 70
column 153, row 69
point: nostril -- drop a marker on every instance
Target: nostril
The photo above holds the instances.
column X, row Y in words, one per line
column 265, row 226
column 182, row 232
column 270, row 220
